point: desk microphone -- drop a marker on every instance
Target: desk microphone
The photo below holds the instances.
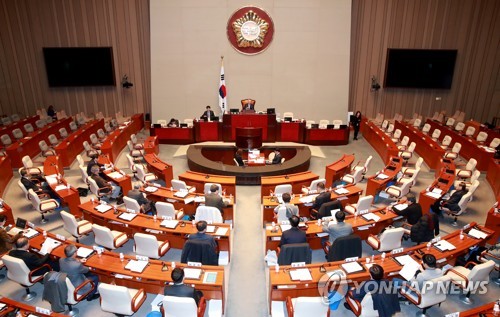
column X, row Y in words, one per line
column 287, row 177
column 207, row 176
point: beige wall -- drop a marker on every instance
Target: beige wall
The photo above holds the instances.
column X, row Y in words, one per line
column 305, row 70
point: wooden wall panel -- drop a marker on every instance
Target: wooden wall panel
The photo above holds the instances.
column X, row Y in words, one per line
column 471, row 26
column 28, row 25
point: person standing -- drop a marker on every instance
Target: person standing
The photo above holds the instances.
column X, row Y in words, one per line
column 208, row 114
column 356, row 123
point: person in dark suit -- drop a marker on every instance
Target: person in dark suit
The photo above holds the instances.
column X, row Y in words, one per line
column 51, row 112
column 452, row 202
column 44, row 188
column 93, row 162
column 239, row 158
column 146, row 204
column 111, row 189
column 6, row 241
column 356, row 123
column 294, row 234
column 277, row 157
column 201, row 226
column 413, row 212
column 32, row 260
column 77, row 272
column 385, row 298
column 323, row 197
column 208, row 114
column 173, row 123
column 213, row 199
column 179, row 289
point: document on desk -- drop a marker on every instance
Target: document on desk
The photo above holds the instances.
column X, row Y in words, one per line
column 409, row 269
column 382, row 176
column 308, row 199
column 371, row 216
column 127, row 216
column 115, row 174
column 209, row 277
column 403, row 259
column 51, row 179
column 150, row 189
column 199, row 199
column 478, row 234
column 211, row 229
column 401, row 207
column 285, row 227
column 300, row 275
column 352, row 267
column 433, row 195
column 136, row 266
column 221, row 231
column 102, row 208
column 341, row 191
column 192, row 274
column 60, row 187
column 84, row 252
column 444, row 245
column 28, row 233
column 181, row 194
column 48, row 245
column 169, row 224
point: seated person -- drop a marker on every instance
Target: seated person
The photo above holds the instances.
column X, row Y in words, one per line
column 291, row 209
column 201, row 227
column 43, row 188
column 147, row 206
column 277, row 157
column 93, row 162
column 428, row 272
column 32, row 260
column 179, row 289
column 413, row 212
column 213, row 199
column 112, row 190
column 208, row 114
column 294, row 234
column 51, row 112
column 173, row 123
column 6, row 241
column 338, row 229
column 423, row 230
column 77, row 272
column 451, row 203
column 385, row 297
column 323, row 197
column 239, row 158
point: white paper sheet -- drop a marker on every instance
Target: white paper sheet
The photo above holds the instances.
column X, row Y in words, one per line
column 352, row 267
column 300, row 275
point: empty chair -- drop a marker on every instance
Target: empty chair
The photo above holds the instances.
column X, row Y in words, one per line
column 143, row 175
column 209, row 214
column 417, row 123
column 6, row 140
column 95, row 141
column 470, row 131
column 46, row 150
column 378, row 119
column 388, row 240
column 396, row 136
column 461, row 116
column 17, row 133
column 63, row 133
column 429, row 295
column 189, row 122
column 398, row 117
column 74, row 227
column 404, row 143
column 468, row 170
column 120, row 299
column 481, row 137
column 337, row 123
column 446, row 142
column 80, row 160
column 28, row 165
column 136, row 154
column 48, row 120
column 435, row 134
column 363, row 204
column 28, row 128
column 162, row 122
column 469, row 279
column 426, row 128
column 53, row 140
column 132, row 205
column 294, row 252
column 390, row 129
column 408, row 153
column 40, row 123
column 309, row 123
column 385, row 124
column 131, row 163
column 15, row 117
column 281, row 189
column 120, row 118
column 441, row 117
column 136, row 143
column 72, row 126
column 6, row 120
column 494, row 143
column 453, row 154
column 174, row 306
column 363, row 308
column 107, row 127
column 42, row 206
column 460, row 126
column 181, row 186
column 287, row 115
column 19, row 272
column 61, row 114
column 307, row 306
column 450, row 122
column 399, row 191
column 89, row 150
column 101, row 135
column 167, row 211
column 148, row 245
column 313, row 187
column 114, row 123
column 110, row 239
column 409, row 171
column 357, row 172
column 323, row 124
column 456, row 114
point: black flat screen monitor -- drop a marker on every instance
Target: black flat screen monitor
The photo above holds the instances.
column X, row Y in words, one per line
column 287, row 119
column 271, row 111
column 157, row 125
column 184, row 125
column 315, row 126
column 234, row 111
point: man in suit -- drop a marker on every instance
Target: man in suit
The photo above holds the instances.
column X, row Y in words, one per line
column 32, row 260
column 213, row 199
column 147, row 206
column 413, row 212
column 179, row 289
column 201, row 227
column 338, row 229
column 208, row 114
column 277, row 157
column 291, row 209
column 6, row 241
column 294, row 234
column 239, row 158
column 93, row 162
column 77, row 272
column 111, row 189
column 42, row 188
column 323, row 197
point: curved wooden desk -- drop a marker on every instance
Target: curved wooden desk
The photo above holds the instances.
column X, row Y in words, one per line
column 486, row 309
column 117, row 140
column 444, row 180
column 249, row 138
column 380, row 141
column 297, row 180
column 115, row 174
column 493, row 222
column 7, row 129
column 339, row 168
column 23, row 308
column 5, row 173
column 151, row 145
column 376, row 184
column 493, row 176
column 198, row 180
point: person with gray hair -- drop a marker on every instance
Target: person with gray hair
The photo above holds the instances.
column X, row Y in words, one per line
column 213, row 199
column 77, row 272
column 412, row 212
column 147, row 205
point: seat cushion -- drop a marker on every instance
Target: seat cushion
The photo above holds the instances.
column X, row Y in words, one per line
column 86, row 228
column 120, row 240
column 351, row 208
column 456, row 278
column 48, row 205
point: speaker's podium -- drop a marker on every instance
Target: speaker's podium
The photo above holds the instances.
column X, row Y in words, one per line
column 248, row 105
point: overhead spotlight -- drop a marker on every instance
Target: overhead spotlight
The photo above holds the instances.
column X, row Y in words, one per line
column 126, row 83
column 375, row 85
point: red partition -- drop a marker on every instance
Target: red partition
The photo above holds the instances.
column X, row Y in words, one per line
column 291, row 131
column 327, row 136
column 173, row 135
column 116, row 141
column 5, row 173
column 265, row 121
column 207, row 131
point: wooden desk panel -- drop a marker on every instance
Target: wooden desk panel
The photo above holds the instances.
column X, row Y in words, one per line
column 493, row 176
column 173, row 135
column 162, row 170
column 486, row 309
column 18, row 125
column 444, row 180
column 265, row 121
column 291, row 131
column 380, row 141
column 124, row 181
column 5, row 173
column 23, row 308
column 68, row 149
column 493, row 223
column 374, row 184
column 117, row 140
column 327, row 136
column 29, row 144
column 297, row 180
column 151, row 145
column 482, row 128
column 7, row 211
column 207, row 131
column 338, row 169
column 198, row 180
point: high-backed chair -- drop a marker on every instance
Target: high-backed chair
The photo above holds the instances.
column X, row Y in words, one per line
column 167, row 210
column 294, row 252
column 441, row 116
column 473, row 178
column 409, row 171
column 399, row 191
column 209, row 214
column 470, row 131
column 80, row 160
column 460, row 126
column 396, row 136
column 25, row 191
column 110, row 239
column 28, row 128
column 417, row 123
column 445, row 143
column 450, row 122
column 53, row 140
column 73, row 126
column 28, row 165
column 137, row 155
column 19, row 272
column 120, row 299
column 435, row 134
column 337, row 123
column 100, row 193
column 323, row 124
column 6, row 140
column 162, row 122
column 384, row 125
column 461, row 116
column 390, row 129
column 462, row 204
column 309, row 123
column 281, row 189
column 408, row 153
column 15, row 117
column 131, row 163
column 61, row 115
column 364, row 203
column 404, row 143
column 174, row 306
column 363, row 308
column 132, row 204
column 101, row 135
column 313, row 187
column 426, row 128
column 469, row 277
column 494, row 143
column 306, row 306
column 453, row 154
column 148, row 245
column 42, row 206
column 388, row 240
column 48, row 120
column 17, row 133
column 288, row 115
column 343, row 248
column 468, row 170
column 432, row 293
column 481, row 137
column 357, row 172
column 84, row 175
column 40, row 123
column 181, row 185
column 6, row 120
column 63, row 133
column 142, row 175
column 108, row 128
column 378, row 119
column 89, row 150
column 73, row 295
column 76, row 228
column 45, row 149
column 120, row 118
column 327, row 209
column 135, row 142
column 95, row 141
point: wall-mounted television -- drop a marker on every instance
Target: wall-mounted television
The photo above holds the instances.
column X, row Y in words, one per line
column 79, row 66
column 419, row 68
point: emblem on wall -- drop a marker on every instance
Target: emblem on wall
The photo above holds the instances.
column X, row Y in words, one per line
column 250, row 30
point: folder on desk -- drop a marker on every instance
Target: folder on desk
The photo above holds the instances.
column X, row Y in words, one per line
column 221, row 231
column 444, row 245
column 341, row 191
column 192, row 274
column 409, row 269
column 300, row 275
column 48, row 245
column 382, row 176
column 181, row 194
column 127, row 216
column 371, row 216
column 352, row 267
column 136, row 266
column 84, row 252
column 169, row 224
column 478, row 234
column 211, row 229
column 102, row 208
column 150, row 189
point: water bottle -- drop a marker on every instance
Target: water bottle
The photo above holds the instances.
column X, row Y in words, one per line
column 173, row 264
column 121, row 257
column 44, row 234
column 383, row 256
column 462, row 236
column 154, row 218
column 373, row 258
column 277, row 268
column 428, row 246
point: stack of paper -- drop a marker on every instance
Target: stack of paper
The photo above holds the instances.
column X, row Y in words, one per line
column 210, row 229
column 181, row 194
column 382, row 176
column 51, row 179
column 221, row 231
column 102, row 208
column 444, row 245
column 199, row 199
column 409, row 269
column 60, row 187
column 433, row 195
column 341, row 191
column 352, row 267
column 115, row 175
column 301, row 275
column 150, row 189
column 210, row 277
column 136, row 266
column 48, row 245
column 285, row 227
column 403, row 259
column 193, row 274
column 30, row 233
column 84, row 252
column 127, row 216
column 307, row 199
column 371, row 216
column 401, row 207
column 478, row 234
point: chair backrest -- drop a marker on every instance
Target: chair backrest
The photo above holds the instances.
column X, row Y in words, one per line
column 494, row 143
column 25, row 191
column 314, row 184
column 209, row 214
column 284, row 188
column 35, row 200
column 470, row 131
column 162, row 122
column 288, row 115
column 411, row 148
column 461, row 116
column 131, row 204
column 141, row 173
column 101, row 133
column 15, row 117
column 364, row 203
column 462, row 204
column 86, row 146
column 146, row 245
column 103, row 236
column 6, row 120
column 73, row 126
column 84, row 175
column 456, row 147
column 405, row 140
column 337, row 122
column 27, row 162
column 385, row 123
column 397, row 134
column 179, row 306
column 460, row 126
column 390, row 128
column 17, row 270
column 28, row 128
column 189, row 122
column 131, row 163
column 17, row 133
column 164, row 209
column 271, row 156
column 130, row 145
column 435, row 291
column 323, row 123
column 93, row 139
column 345, row 247
column 80, row 160
column 309, row 123
column 116, row 299
column 310, row 306
column 6, row 140
column 367, row 309
column 199, row 251
column 417, row 123
column 70, row 223
column 107, row 127
column 367, row 163
column 206, row 188
column 94, row 189
column 53, row 139
column 357, row 175
column 419, row 163
column 450, row 122
column 43, row 146
column 482, row 136
column 441, row 117
column 426, row 128
column 474, row 185
column 390, row 239
column 436, row 133
column 446, row 140
column 40, row 123
column 133, row 138
column 471, row 164
column 295, row 252
column 178, row 184
column 63, row 133
column 479, row 273
column 49, row 119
